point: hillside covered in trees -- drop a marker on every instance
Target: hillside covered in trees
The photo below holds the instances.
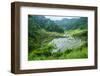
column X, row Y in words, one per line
column 57, row 39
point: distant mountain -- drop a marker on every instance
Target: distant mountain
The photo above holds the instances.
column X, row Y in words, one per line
column 73, row 23
column 41, row 22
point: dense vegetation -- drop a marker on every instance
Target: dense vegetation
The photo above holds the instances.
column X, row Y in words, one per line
column 42, row 30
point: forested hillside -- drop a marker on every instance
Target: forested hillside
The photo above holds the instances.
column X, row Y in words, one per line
column 74, row 23
column 53, row 39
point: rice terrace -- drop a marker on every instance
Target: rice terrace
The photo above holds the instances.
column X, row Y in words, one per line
column 57, row 37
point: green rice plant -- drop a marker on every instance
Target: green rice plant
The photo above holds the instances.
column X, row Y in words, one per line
column 80, row 52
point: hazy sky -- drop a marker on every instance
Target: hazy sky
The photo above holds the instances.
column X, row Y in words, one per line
column 58, row 18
